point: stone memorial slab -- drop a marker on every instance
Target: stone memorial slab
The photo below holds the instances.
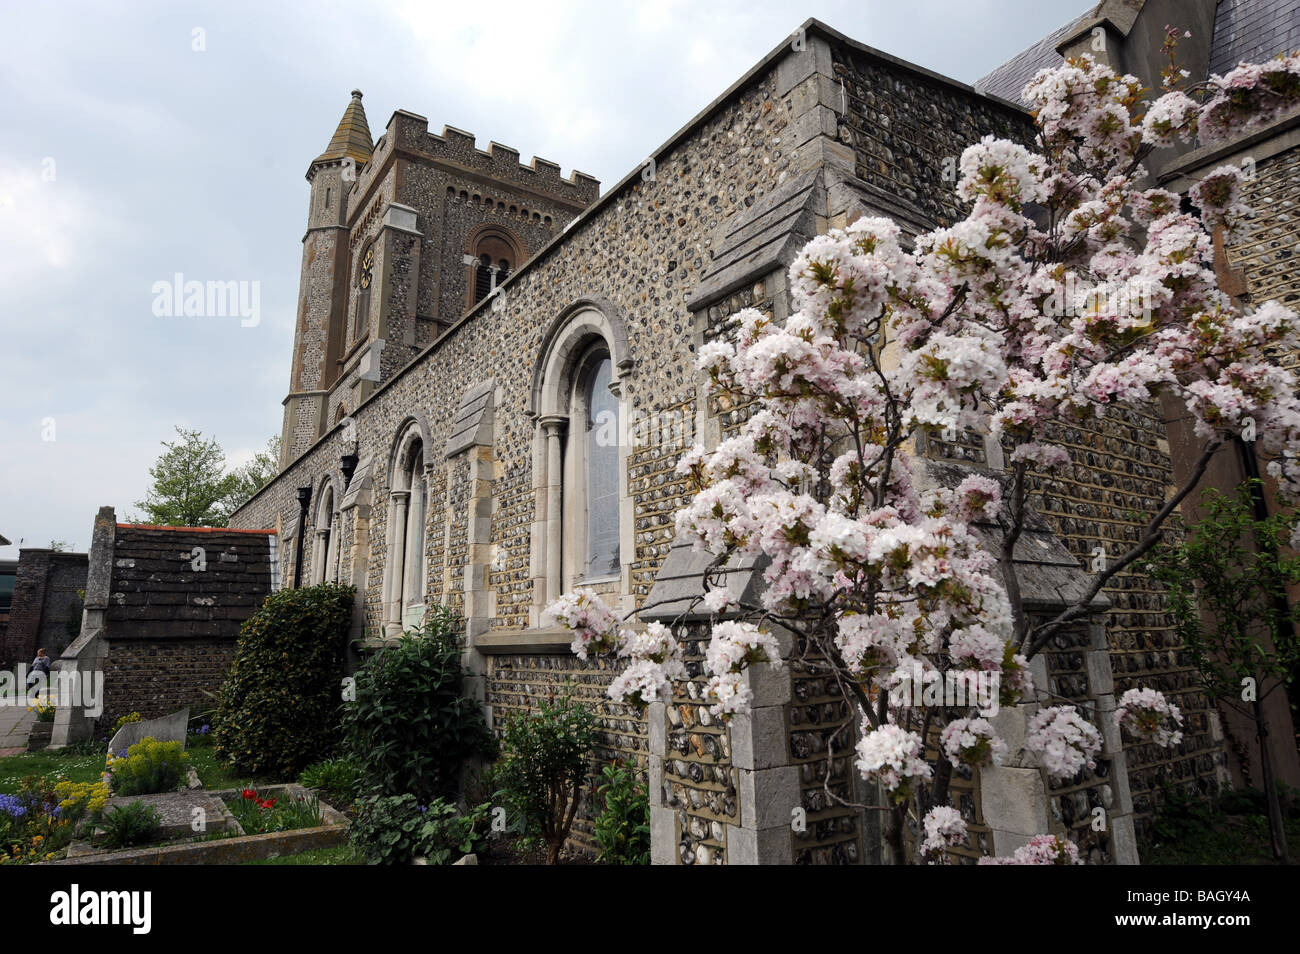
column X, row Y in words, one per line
column 168, row 728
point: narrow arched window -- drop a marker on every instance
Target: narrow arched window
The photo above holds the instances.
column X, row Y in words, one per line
column 601, row 469
column 405, row 565
column 583, row 517
column 482, row 278
column 413, row 559
column 325, row 545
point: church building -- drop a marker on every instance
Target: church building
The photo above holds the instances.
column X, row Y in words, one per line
column 493, row 379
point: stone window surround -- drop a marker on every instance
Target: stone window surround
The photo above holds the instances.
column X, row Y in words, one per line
column 497, row 242
column 325, row 543
column 401, row 573
column 585, row 328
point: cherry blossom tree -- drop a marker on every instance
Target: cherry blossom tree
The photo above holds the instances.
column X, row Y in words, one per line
column 1069, row 290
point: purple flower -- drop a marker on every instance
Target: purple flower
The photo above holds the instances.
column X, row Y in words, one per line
column 13, row 806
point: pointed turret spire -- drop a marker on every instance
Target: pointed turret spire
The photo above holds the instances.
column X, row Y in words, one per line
column 352, row 138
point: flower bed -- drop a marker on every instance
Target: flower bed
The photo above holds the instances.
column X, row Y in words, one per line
column 232, row 846
column 258, row 814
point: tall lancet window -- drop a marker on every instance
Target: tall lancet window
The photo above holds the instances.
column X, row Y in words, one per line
column 582, row 532
column 325, row 546
column 405, row 566
column 601, row 466
column 413, row 559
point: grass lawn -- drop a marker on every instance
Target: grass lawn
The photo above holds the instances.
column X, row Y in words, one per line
column 338, row 855
column 215, row 774
column 62, row 764
column 58, row 766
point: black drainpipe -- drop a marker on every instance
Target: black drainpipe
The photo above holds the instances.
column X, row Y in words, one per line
column 304, row 498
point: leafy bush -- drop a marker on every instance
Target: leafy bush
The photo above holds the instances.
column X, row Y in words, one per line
column 278, row 710
column 1181, row 815
column 1251, row 801
column 543, row 768
column 623, row 825
column 341, row 779
column 410, row 728
column 128, row 825
column 148, row 767
column 393, row 829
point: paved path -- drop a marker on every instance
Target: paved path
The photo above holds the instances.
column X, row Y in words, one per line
column 15, row 723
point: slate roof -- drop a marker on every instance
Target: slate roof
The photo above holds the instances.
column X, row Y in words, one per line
column 156, row 590
column 1010, row 78
column 1249, row 30
column 1253, row 31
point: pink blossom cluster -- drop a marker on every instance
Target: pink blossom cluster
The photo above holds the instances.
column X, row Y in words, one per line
column 891, row 755
column 733, row 648
column 593, row 624
column 1064, row 739
column 1041, row 850
column 972, row 742
column 1147, row 715
column 944, row 828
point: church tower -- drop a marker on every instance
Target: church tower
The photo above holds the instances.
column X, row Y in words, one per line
column 320, row 331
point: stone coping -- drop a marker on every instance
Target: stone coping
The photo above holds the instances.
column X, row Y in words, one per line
column 505, row 642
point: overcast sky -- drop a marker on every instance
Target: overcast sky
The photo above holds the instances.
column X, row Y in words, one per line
column 128, row 156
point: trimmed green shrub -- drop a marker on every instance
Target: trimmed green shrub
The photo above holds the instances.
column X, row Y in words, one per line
column 392, row 830
column 410, row 728
column 148, row 767
column 542, row 770
column 129, row 825
column 623, row 826
column 278, row 710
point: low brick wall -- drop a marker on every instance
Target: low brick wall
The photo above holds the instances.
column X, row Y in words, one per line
column 155, row 677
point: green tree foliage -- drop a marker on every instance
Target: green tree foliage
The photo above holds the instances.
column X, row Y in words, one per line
column 1227, row 581
column 543, row 767
column 254, row 475
column 279, row 707
column 192, row 488
column 410, row 727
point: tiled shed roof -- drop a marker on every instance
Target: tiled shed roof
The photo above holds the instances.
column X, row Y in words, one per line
column 160, row 586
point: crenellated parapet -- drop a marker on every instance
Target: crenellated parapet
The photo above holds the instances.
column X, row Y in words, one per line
column 457, row 150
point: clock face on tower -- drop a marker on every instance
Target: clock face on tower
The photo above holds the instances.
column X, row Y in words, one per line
column 367, row 267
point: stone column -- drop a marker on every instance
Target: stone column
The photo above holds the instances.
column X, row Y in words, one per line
column 319, row 556
column 397, row 501
column 553, row 428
